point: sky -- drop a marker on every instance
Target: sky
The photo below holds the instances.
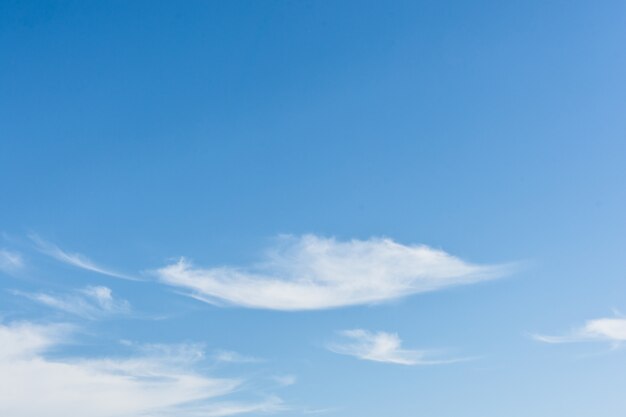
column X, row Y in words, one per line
column 290, row 208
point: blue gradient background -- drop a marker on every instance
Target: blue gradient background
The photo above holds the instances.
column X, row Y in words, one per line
column 136, row 132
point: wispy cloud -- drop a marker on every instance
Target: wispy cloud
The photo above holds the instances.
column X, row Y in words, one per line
column 148, row 384
column 270, row 405
column 75, row 259
column 612, row 329
column 312, row 272
column 234, row 357
column 384, row 347
column 285, row 380
column 10, row 261
column 91, row 302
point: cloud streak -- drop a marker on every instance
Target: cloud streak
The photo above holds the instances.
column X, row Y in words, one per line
column 611, row 330
column 312, row 272
column 228, row 356
column 285, row 380
column 91, row 302
column 149, row 384
column 75, row 259
column 10, row 261
column 383, row 347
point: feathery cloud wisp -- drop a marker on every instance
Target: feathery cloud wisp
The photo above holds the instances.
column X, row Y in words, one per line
column 33, row 385
column 383, row 347
column 91, row 302
column 311, row 272
column 229, row 356
column 602, row 330
column 75, row 259
column 10, row 261
column 285, row 380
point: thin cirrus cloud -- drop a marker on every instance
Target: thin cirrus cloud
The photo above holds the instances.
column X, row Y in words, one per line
column 610, row 329
column 311, row 272
column 91, row 302
column 149, row 384
column 75, row 259
column 10, row 261
column 384, row 347
column 285, row 380
column 229, row 356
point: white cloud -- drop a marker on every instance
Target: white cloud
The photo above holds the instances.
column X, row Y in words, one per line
column 311, row 272
column 10, row 261
column 234, row 357
column 159, row 383
column 383, row 347
column 75, row 259
column 270, row 405
column 285, row 380
column 91, row 302
column 602, row 330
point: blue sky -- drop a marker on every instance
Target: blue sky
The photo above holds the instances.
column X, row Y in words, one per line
column 406, row 208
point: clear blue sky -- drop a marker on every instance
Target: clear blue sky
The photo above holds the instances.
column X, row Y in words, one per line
column 136, row 134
